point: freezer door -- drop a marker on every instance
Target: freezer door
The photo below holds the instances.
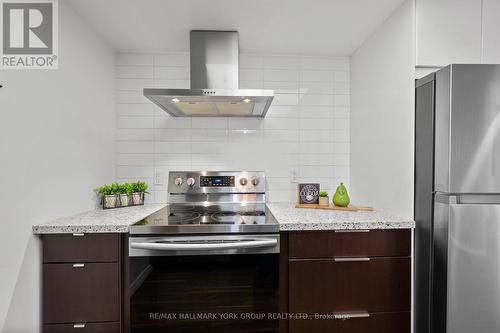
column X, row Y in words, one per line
column 466, row 280
column 468, row 129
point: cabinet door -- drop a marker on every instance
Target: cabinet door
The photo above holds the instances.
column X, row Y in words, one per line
column 491, row 31
column 349, row 284
column 448, row 31
column 375, row 323
column 75, row 293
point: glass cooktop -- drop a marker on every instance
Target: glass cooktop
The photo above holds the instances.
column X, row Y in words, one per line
column 229, row 218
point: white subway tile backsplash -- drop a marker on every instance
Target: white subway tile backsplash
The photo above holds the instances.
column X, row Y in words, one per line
column 135, row 122
column 281, row 123
column 135, row 109
column 171, row 84
column 134, row 72
column 134, row 134
column 172, row 134
column 166, row 147
column 173, row 59
column 285, row 75
column 209, row 134
column 305, row 132
column 316, row 76
column 285, row 99
column 281, row 62
column 251, row 75
column 172, row 73
column 316, row 100
column 135, row 147
column 134, row 171
column 131, row 97
column 251, row 61
column 166, row 121
column 133, row 84
column 135, row 160
column 316, row 63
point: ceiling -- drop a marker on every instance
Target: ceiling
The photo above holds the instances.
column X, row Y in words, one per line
column 265, row 26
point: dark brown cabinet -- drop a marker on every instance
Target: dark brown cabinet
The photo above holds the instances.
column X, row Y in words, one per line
column 82, row 283
column 361, row 280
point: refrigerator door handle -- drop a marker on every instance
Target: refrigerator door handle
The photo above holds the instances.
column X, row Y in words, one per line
column 468, row 199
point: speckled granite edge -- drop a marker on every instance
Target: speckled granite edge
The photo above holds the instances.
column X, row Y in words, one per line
column 98, row 221
column 296, row 219
column 344, row 226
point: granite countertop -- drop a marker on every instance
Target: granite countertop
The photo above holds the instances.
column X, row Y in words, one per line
column 288, row 217
column 291, row 218
column 99, row 220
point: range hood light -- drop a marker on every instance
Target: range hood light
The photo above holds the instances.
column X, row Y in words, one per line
column 246, row 100
column 175, row 100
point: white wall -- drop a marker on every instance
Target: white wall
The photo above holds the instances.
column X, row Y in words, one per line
column 306, row 130
column 56, row 144
column 382, row 115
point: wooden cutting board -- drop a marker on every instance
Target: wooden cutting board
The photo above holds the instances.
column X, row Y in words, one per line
column 332, row 207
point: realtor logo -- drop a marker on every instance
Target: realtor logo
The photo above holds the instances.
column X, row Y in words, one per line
column 29, row 34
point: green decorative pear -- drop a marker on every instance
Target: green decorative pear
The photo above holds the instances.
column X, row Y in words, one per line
column 341, row 198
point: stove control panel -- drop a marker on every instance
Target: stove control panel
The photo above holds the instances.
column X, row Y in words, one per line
column 216, row 181
column 202, row 182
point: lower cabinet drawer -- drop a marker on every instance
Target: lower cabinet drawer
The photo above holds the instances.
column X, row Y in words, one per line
column 84, row 292
column 375, row 323
column 350, row 284
column 83, row 328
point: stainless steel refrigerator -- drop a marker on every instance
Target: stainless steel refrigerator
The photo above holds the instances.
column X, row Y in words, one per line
column 457, row 200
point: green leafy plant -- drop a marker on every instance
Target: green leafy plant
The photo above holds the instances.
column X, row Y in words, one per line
column 108, row 189
column 323, row 194
column 126, row 188
column 139, row 187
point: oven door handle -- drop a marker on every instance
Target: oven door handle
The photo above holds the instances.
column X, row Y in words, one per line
column 242, row 244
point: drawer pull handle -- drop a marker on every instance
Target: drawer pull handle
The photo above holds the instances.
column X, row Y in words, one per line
column 79, row 234
column 352, row 230
column 78, row 265
column 354, row 315
column 81, row 325
column 351, row 259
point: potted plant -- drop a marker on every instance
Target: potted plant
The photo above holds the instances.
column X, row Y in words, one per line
column 138, row 189
column 323, row 198
column 126, row 191
column 109, row 195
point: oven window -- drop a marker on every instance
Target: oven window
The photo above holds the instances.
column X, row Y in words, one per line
column 226, row 293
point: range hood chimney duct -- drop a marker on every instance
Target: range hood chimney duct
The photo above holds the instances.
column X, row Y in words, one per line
column 214, row 89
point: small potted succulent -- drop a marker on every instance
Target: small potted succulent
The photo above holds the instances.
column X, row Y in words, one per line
column 110, row 198
column 126, row 191
column 138, row 189
column 323, row 198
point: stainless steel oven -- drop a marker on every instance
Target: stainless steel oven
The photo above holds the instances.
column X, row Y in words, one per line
column 208, row 262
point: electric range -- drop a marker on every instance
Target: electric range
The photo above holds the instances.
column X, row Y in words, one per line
column 214, row 212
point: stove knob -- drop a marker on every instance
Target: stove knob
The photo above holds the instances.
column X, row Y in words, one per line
column 243, row 181
column 255, row 181
column 190, row 181
column 178, row 181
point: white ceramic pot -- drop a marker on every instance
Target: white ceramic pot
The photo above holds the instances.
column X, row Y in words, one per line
column 110, row 201
column 323, row 201
column 125, row 200
column 138, row 198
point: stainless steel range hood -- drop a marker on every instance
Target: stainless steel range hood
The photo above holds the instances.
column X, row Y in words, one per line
column 214, row 82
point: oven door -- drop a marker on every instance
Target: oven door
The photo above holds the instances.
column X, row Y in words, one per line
column 216, row 283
